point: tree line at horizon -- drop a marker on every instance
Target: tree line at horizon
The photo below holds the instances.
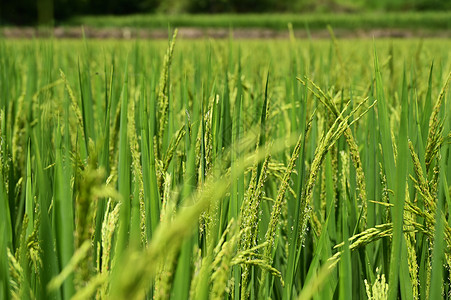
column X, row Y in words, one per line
column 33, row 12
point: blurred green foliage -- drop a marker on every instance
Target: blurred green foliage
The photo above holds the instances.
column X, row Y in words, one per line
column 429, row 20
column 33, row 12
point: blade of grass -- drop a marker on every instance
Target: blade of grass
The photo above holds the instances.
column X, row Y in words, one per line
column 124, row 172
column 400, row 194
column 64, row 208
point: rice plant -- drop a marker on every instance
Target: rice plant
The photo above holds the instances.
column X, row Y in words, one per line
column 225, row 169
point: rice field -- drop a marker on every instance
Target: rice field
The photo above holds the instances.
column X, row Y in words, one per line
column 225, row 169
column 434, row 20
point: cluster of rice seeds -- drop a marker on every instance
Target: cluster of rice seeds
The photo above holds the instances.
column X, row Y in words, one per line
column 175, row 178
column 249, row 217
column 409, row 219
column 379, row 289
column 222, row 263
column 109, row 226
column 163, row 100
column 250, row 208
column 353, row 148
column 435, row 128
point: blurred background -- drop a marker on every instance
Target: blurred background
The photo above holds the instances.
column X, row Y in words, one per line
column 34, row 12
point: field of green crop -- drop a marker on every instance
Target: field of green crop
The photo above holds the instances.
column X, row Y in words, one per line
column 439, row 20
column 282, row 169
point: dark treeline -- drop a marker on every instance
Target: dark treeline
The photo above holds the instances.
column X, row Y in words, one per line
column 33, row 12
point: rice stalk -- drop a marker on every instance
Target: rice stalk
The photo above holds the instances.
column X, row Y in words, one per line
column 409, row 218
column 137, row 172
column 276, row 211
column 339, row 126
column 16, row 281
column 163, row 100
column 277, row 207
column 18, row 141
column 435, row 129
column 74, row 102
column 222, row 263
column 109, row 226
column 249, row 217
column 353, row 147
column 172, row 148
